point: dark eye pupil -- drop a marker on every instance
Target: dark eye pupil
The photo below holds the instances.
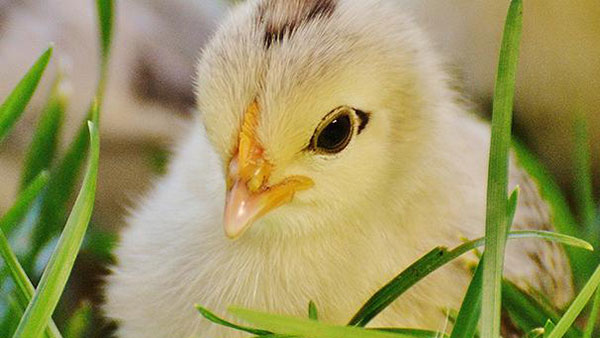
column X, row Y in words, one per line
column 336, row 135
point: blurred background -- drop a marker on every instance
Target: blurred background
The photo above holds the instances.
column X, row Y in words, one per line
column 150, row 94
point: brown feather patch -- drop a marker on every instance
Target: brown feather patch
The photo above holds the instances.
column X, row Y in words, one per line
column 281, row 18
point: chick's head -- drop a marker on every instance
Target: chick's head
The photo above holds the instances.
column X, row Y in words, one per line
column 316, row 109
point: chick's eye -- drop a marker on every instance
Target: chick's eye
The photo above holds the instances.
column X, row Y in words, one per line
column 335, row 133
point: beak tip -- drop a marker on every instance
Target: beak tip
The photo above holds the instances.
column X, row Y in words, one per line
column 231, row 236
column 235, row 227
column 234, row 232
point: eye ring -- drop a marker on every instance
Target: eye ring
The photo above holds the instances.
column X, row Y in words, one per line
column 335, row 131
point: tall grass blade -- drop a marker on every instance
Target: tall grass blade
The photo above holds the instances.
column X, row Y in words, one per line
column 61, row 262
column 567, row 320
column 12, row 108
column 42, row 150
column 105, row 10
column 497, row 186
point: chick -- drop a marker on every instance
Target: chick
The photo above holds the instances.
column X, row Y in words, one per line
column 329, row 153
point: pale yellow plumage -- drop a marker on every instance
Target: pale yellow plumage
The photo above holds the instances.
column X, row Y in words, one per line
column 411, row 177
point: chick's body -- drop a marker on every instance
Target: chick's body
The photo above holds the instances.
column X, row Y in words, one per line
column 412, row 177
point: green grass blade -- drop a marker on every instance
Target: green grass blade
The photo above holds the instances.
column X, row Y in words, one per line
column 105, row 10
column 42, row 150
column 497, row 186
column 312, row 311
column 17, row 100
column 511, row 208
column 535, row 333
column 61, row 262
column 577, row 306
column 217, row 320
column 417, row 333
column 308, row 328
column 24, row 287
column 397, row 286
column 61, row 187
column 555, row 237
column 430, row 262
column 7, row 224
column 526, row 312
column 548, row 328
column 593, row 318
column 11, row 318
column 14, row 215
column 100, row 244
column 79, row 321
column 468, row 315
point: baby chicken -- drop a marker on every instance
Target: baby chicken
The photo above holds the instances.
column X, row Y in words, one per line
column 330, row 152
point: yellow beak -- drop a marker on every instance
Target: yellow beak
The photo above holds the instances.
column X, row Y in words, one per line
column 249, row 196
column 243, row 206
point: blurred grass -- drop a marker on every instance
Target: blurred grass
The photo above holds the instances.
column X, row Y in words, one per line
column 43, row 147
column 14, row 105
column 55, row 277
column 24, row 287
column 50, row 195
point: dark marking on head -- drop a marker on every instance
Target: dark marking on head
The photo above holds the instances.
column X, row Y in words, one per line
column 364, row 119
column 281, row 18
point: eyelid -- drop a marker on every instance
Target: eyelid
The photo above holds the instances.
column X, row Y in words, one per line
column 355, row 121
